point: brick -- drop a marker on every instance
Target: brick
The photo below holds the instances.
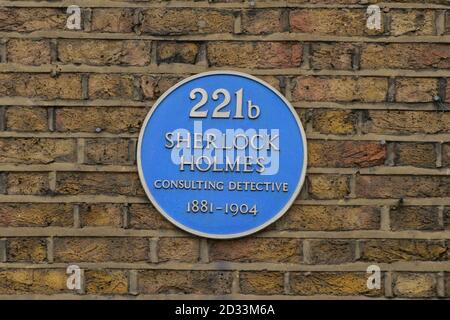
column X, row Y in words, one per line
column 108, row 151
column 447, row 218
column 261, row 283
column 273, row 81
column 177, row 52
column 26, row 119
column 112, row 20
column 415, row 154
column 184, row 282
column 330, row 218
column 405, row 56
column 447, row 284
column 108, row 86
column 412, row 22
column 388, row 251
column 345, row 154
column 256, row 250
column 33, row 281
column 100, row 249
column 264, row 55
column 101, row 215
column 402, row 186
column 36, row 150
column 343, row 89
column 332, row 56
column 328, row 186
column 32, row 19
column 106, row 282
column 28, row 52
column 446, row 155
column 33, row 250
column 335, row 121
column 36, row 215
column 414, row 285
column 161, row 21
column 73, row 183
column 178, row 249
column 104, row 52
column 153, row 87
column 261, row 21
column 145, row 216
column 90, row 119
column 416, row 89
column 414, row 218
column 331, row 283
column 331, row 251
column 339, row 22
column 403, row 122
column 33, row 183
column 43, row 86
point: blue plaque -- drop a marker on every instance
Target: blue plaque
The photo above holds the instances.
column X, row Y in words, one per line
column 222, row 154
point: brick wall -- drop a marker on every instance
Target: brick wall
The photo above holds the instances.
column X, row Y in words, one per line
column 378, row 185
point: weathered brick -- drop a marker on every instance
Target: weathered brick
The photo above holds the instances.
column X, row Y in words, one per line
column 414, row 285
column 106, row 282
column 414, row 218
column 447, row 218
column 331, row 283
column 177, row 52
column 34, row 183
column 262, row 282
column 29, row 52
column 328, row 186
column 264, row 55
column 402, row 186
column 405, row 56
column 334, row 121
column 256, row 249
column 145, row 216
column 107, row 86
column 153, row 87
column 26, row 119
column 446, row 155
column 184, row 282
column 100, row 249
column 261, row 21
column 332, row 56
column 331, row 251
column 89, row 119
column 330, row 218
column 104, row 52
column 101, row 215
column 32, row 19
column 416, row 89
column 340, row 22
column 415, row 154
column 412, row 22
column 402, row 122
column 178, row 249
column 36, row 215
column 168, row 21
column 345, row 89
column 108, row 151
column 392, row 250
column 29, row 281
column 345, row 153
column 36, row 150
column 98, row 183
column 32, row 250
column 44, row 86
column 112, row 20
